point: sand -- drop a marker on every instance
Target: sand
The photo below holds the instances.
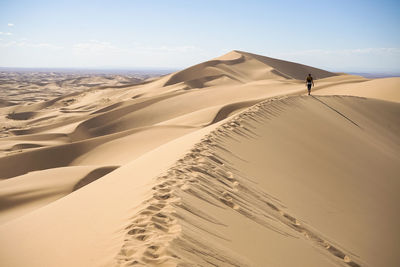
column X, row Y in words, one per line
column 226, row 163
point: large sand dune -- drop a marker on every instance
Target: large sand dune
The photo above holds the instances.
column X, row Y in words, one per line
column 226, row 163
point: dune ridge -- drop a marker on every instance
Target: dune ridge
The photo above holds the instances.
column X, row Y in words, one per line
column 290, row 70
column 21, row 195
column 235, row 66
column 197, row 166
column 205, row 176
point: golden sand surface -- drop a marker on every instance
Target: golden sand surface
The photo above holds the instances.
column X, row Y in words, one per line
column 225, row 163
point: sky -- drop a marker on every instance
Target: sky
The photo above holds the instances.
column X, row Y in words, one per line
column 336, row 35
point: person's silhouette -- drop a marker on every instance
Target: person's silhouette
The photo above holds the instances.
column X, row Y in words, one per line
column 309, row 82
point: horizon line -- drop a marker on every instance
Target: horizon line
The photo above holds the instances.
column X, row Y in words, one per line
column 164, row 69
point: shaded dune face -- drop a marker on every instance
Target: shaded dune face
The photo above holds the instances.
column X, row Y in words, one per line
column 205, row 70
column 230, row 175
column 225, row 163
column 232, row 64
column 290, row 69
column 21, row 116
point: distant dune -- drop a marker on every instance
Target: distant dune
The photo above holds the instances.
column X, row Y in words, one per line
column 225, row 163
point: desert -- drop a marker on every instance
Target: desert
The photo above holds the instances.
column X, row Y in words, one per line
column 226, row 163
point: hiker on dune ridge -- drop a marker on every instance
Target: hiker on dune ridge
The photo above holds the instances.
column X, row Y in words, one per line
column 309, row 82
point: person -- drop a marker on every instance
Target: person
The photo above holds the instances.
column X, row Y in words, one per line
column 309, row 82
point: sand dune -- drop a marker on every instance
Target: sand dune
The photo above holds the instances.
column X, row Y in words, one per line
column 384, row 88
column 31, row 191
column 33, row 86
column 226, row 163
column 290, row 70
column 242, row 67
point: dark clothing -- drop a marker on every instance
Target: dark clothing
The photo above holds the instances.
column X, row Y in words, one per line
column 310, row 82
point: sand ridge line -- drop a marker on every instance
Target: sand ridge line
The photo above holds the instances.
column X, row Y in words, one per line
column 341, row 114
column 147, row 232
column 334, row 177
column 278, row 214
column 287, row 219
column 205, row 174
column 150, row 232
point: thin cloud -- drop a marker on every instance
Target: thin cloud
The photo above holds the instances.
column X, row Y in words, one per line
column 365, row 59
column 8, row 44
column 5, row 33
column 46, row 45
column 170, row 49
column 357, row 51
column 10, row 24
column 31, row 45
column 95, row 46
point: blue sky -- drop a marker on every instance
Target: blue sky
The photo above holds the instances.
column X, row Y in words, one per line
column 336, row 35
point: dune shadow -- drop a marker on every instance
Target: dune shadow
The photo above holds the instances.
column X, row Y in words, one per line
column 93, row 176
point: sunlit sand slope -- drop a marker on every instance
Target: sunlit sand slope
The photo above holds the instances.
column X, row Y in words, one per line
column 299, row 176
column 225, row 163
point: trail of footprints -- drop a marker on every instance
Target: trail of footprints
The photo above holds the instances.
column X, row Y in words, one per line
column 151, row 229
column 204, row 174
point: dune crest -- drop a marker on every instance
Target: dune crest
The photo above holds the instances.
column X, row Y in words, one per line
column 241, row 67
column 225, row 163
column 173, row 222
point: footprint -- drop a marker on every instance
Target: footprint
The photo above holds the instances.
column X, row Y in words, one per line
column 142, row 237
column 161, row 227
column 128, row 252
column 162, row 196
column 161, row 219
column 136, row 231
column 135, row 262
column 153, row 208
column 290, row 218
column 272, row 206
column 153, row 250
column 185, row 187
column 146, row 212
column 227, row 202
column 164, row 190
